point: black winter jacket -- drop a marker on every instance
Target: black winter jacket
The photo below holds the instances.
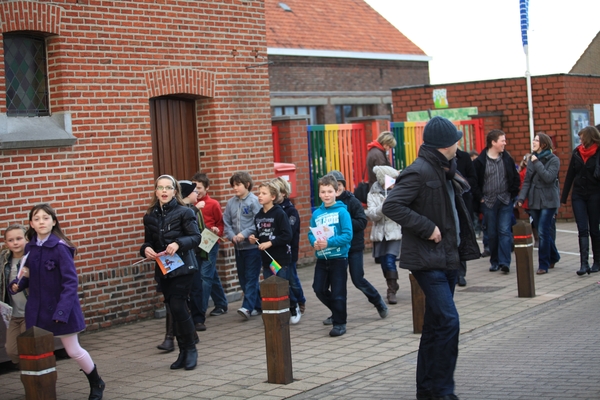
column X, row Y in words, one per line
column 512, row 175
column 359, row 220
column 419, row 202
column 580, row 176
column 172, row 223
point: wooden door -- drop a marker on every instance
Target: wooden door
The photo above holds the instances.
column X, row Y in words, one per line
column 174, row 138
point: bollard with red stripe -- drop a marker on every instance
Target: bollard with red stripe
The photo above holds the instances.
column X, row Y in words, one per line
column 276, row 317
column 523, row 240
column 38, row 364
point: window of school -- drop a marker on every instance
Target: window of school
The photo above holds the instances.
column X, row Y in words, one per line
column 28, row 121
column 26, row 77
column 311, row 111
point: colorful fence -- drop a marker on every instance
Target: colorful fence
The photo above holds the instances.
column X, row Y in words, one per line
column 343, row 147
column 336, row 147
column 409, row 137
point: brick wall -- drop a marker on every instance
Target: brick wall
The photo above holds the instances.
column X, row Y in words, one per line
column 505, row 101
column 102, row 56
column 316, row 74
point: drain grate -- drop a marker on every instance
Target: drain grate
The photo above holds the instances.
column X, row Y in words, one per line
column 483, row 289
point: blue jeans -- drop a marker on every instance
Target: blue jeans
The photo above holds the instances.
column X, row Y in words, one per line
column 357, row 274
column 248, row 263
column 211, row 283
column 544, row 220
column 388, row 263
column 296, row 286
column 587, row 215
column 197, row 309
column 329, row 285
column 438, row 349
column 498, row 220
column 286, row 273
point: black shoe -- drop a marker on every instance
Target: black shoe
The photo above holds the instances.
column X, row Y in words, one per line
column 218, row 311
column 494, row 268
column 595, row 267
column 505, row 269
column 168, row 345
column 200, row 327
column 446, row 397
column 338, row 330
column 462, row 281
column 486, row 253
column 585, row 269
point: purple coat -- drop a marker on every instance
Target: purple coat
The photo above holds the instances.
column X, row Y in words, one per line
column 52, row 288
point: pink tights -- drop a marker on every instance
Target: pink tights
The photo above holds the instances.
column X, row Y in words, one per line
column 78, row 353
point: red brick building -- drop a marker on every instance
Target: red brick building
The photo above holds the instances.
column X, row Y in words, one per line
column 116, row 93
column 503, row 105
column 337, row 59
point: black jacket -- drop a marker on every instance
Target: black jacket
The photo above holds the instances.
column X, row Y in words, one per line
column 512, row 175
column 172, row 223
column 359, row 220
column 294, row 218
column 464, row 165
column 419, row 202
column 580, row 176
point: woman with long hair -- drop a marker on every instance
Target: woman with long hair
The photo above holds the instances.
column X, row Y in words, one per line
column 586, row 196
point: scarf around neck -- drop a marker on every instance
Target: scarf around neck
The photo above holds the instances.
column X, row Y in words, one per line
column 586, row 153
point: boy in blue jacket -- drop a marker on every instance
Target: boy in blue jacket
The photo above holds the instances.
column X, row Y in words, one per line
column 331, row 270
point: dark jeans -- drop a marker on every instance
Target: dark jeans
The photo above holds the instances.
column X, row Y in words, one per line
column 176, row 292
column 211, row 283
column 357, row 274
column 296, row 285
column 329, row 285
column 587, row 215
column 498, row 221
column 544, row 221
column 438, row 349
column 248, row 263
column 388, row 263
column 197, row 309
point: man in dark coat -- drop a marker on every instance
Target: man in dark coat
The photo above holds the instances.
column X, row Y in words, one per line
column 437, row 234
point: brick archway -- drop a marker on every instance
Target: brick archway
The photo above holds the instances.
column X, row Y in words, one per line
column 178, row 81
column 30, row 16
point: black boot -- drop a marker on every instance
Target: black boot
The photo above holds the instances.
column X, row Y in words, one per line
column 391, row 277
column 584, row 255
column 596, row 252
column 96, row 384
column 168, row 345
column 188, row 355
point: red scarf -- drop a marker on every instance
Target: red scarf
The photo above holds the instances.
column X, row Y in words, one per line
column 586, row 153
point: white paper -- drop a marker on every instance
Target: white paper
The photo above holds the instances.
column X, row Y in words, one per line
column 209, row 238
column 322, row 232
column 389, row 181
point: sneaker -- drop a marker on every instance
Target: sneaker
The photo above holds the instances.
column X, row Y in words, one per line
column 218, row 311
column 338, row 330
column 328, row 321
column 244, row 313
column 505, row 269
column 295, row 315
column 254, row 313
column 486, row 253
column 383, row 311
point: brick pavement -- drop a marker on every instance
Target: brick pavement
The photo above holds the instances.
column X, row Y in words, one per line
column 231, row 353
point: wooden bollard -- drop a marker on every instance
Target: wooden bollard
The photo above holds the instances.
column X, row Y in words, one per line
column 276, row 317
column 523, row 239
column 418, row 304
column 38, row 364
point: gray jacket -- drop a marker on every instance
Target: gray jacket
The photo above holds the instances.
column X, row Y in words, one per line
column 239, row 217
column 540, row 186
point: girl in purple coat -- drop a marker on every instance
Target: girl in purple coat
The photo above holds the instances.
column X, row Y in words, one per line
column 49, row 273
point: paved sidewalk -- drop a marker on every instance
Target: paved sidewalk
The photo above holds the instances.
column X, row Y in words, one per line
column 232, row 352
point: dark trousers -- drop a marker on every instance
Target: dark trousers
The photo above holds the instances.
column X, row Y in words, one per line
column 330, row 287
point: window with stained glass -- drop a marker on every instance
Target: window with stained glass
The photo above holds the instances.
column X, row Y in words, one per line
column 26, row 79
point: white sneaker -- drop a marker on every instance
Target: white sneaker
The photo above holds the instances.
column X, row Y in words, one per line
column 244, row 313
column 295, row 315
column 254, row 313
